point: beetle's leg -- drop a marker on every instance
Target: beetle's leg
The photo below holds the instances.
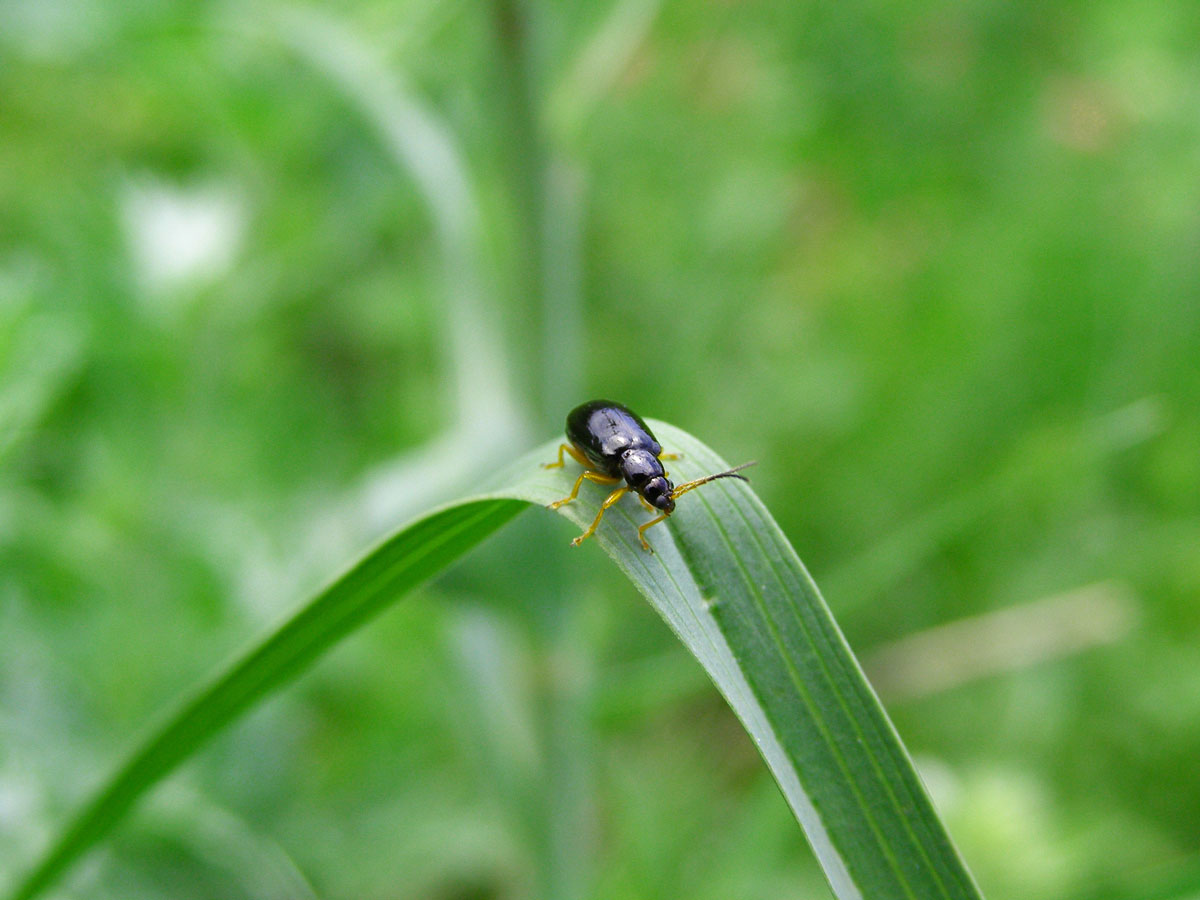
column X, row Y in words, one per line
column 646, row 503
column 642, row 531
column 575, row 454
column 609, row 501
column 597, row 477
column 670, row 456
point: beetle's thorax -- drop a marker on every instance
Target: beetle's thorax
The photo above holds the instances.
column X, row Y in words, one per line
column 638, row 467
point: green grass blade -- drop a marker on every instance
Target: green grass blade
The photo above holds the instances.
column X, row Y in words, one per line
column 404, row 560
column 727, row 582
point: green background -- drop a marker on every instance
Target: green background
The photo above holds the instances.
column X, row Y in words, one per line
column 275, row 279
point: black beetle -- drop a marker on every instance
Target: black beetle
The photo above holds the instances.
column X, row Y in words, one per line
column 613, row 444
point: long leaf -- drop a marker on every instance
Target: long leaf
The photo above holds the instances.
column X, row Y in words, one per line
column 401, row 562
column 731, row 587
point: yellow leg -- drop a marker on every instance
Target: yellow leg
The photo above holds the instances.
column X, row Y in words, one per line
column 670, row 456
column 646, row 503
column 642, row 531
column 597, row 477
column 575, row 454
column 609, row 501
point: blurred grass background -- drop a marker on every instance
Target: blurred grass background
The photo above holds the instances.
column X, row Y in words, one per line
column 274, row 279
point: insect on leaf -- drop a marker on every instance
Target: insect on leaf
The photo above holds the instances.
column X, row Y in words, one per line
column 727, row 582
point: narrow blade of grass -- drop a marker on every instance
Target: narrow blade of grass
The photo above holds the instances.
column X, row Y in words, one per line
column 726, row 581
column 404, row 560
column 730, row 585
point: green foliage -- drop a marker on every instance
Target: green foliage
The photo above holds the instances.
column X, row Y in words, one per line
column 933, row 267
column 732, row 589
column 386, row 573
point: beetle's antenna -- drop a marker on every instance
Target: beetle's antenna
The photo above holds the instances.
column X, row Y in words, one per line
column 731, row 473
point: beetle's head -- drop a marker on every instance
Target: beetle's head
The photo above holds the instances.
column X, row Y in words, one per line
column 658, row 494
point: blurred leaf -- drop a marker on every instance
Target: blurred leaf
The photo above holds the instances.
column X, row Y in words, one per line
column 727, row 582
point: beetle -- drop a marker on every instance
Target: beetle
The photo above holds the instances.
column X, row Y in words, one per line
column 613, row 444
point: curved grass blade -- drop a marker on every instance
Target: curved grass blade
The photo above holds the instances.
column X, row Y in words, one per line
column 727, row 582
column 730, row 585
column 401, row 562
